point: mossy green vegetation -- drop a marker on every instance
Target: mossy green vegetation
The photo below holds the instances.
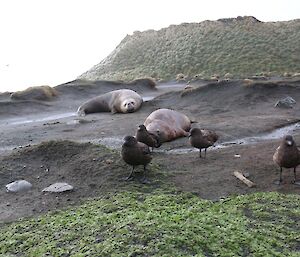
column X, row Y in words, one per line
column 241, row 47
column 162, row 223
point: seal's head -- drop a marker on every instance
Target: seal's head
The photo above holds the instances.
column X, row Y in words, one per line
column 128, row 106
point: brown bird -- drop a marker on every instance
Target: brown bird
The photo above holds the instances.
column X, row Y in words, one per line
column 202, row 138
column 135, row 153
column 148, row 138
column 287, row 155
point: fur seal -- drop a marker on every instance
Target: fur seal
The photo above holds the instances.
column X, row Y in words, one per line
column 167, row 124
column 121, row 101
column 135, row 153
column 144, row 136
column 287, row 155
column 42, row 93
column 202, row 138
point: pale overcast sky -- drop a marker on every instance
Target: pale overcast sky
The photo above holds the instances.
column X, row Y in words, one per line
column 48, row 42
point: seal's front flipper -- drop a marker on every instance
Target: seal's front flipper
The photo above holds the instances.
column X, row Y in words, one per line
column 113, row 110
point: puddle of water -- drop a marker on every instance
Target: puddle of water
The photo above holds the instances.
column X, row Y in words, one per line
column 276, row 134
column 147, row 98
column 116, row 142
column 171, row 86
column 20, row 121
column 111, row 142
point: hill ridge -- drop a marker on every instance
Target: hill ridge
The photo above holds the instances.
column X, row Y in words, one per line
column 235, row 47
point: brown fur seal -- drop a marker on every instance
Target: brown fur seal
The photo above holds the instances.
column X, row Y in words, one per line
column 202, row 138
column 122, row 101
column 135, row 153
column 144, row 136
column 168, row 124
column 42, row 93
column 287, row 155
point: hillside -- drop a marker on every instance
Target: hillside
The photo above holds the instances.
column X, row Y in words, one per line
column 238, row 47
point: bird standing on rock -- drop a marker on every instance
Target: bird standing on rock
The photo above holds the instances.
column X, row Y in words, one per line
column 135, row 153
column 202, row 138
column 287, row 155
column 144, row 136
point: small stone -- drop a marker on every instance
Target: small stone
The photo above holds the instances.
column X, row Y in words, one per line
column 286, row 102
column 246, row 174
column 237, row 156
column 18, row 186
column 58, row 187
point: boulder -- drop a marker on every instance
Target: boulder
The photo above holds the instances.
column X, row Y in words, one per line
column 287, row 102
column 58, row 187
column 18, row 186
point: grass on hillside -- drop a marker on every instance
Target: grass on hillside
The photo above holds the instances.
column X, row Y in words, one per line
column 162, row 224
column 239, row 47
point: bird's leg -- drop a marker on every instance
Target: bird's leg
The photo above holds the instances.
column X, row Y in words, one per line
column 205, row 153
column 295, row 178
column 144, row 179
column 278, row 182
column 130, row 177
column 200, row 152
column 280, row 175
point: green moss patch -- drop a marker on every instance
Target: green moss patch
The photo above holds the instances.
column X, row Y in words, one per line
column 162, row 224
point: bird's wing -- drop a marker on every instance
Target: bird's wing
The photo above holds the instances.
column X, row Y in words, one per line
column 144, row 148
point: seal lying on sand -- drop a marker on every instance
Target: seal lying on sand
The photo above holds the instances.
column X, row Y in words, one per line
column 287, row 155
column 122, row 101
column 202, row 138
column 42, row 93
column 168, row 124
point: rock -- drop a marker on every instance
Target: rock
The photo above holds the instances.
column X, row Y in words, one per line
column 109, row 161
column 286, row 102
column 18, row 186
column 58, row 187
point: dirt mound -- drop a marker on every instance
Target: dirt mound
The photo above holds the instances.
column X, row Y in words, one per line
column 234, row 93
column 94, row 171
column 91, row 169
column 42, row 93
column 144, row 82
column 85, row 88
